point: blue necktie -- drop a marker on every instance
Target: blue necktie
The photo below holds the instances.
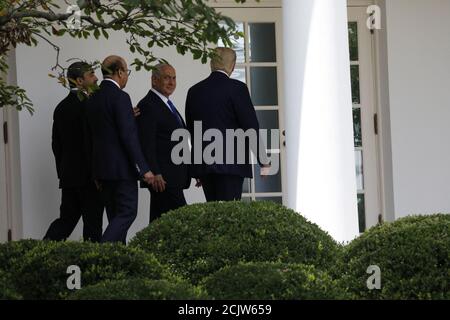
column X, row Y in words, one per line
column 174, row 111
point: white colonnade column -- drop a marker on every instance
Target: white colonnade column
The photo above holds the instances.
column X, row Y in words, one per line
column 321, row 178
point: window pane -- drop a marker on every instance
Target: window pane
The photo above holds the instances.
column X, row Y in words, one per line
column 264, row 86
column 262, row 42
column 355, row 84
column 239, row 74
column 359, row 170
column 268, row 119
column 273, row 199
column 361, row 213
column 269, row 183
column 238, row 43
column 357, row 127
column 353, row 40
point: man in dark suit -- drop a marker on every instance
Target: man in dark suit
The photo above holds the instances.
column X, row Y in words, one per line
column 80, row 197
column 221, row 103
column 158, row 119
column 118, row 161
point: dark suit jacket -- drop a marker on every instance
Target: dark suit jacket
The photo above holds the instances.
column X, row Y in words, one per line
column 221, row 103
column 116, row 151
column 156, row 124
column 68, row 142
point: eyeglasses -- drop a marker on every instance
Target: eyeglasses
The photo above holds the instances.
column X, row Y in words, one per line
column 128, row 71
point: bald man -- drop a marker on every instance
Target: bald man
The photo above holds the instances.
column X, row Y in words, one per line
column 221, row 103
column 118, row 161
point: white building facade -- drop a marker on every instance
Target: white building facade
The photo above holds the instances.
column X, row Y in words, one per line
column 364, row 113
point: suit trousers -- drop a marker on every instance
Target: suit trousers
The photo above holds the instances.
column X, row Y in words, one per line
column 161, row 202
column 85, row 202
column 121, row 202
column 222, row 187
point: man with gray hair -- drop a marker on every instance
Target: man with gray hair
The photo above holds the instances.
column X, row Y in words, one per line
column 221, row 103
column 158, row 118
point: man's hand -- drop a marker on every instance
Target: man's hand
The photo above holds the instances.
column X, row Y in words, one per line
column 198, row 183
column 136, row 111
column 159, row 185
column 265, row 170
column 149, row 177
column 98, row 185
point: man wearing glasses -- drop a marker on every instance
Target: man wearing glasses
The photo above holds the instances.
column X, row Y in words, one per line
column 118, row 161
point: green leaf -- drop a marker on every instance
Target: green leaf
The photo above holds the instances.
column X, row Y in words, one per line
column 96, row 34
column 197, row 54
column 105, row 34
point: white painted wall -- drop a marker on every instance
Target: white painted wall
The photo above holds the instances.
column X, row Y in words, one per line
column 419, row 90
column 40, row 193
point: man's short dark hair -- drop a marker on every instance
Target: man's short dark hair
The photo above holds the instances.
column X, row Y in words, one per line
column 77, row 70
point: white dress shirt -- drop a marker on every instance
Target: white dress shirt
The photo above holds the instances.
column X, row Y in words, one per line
column 223, row 72
column 162, row 97
column 107, row 79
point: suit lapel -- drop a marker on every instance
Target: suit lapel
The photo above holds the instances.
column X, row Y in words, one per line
column 164, row 109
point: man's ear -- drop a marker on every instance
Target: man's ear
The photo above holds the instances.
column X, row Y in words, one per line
column 79, row 82
column 232, row 69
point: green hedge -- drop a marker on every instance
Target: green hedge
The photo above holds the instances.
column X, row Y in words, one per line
column 42, row 271
column 7, row 290
column 199, row 239
column 413, row 254
column 12, row 252
column 272, row 281
column 139, row 289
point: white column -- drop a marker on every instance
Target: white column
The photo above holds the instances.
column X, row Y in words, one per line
column 321, row 175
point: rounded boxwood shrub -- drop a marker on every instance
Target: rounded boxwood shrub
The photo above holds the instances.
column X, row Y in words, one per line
column 272, row 281
column 12, row 252
column 7, row 291
column 139, row 289
column 42, row 273
column 413, row 255
column 199, row 239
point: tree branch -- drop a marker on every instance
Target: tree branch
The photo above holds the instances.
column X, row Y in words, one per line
column 104, row 24
column 17, row 14
column 57, row 49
